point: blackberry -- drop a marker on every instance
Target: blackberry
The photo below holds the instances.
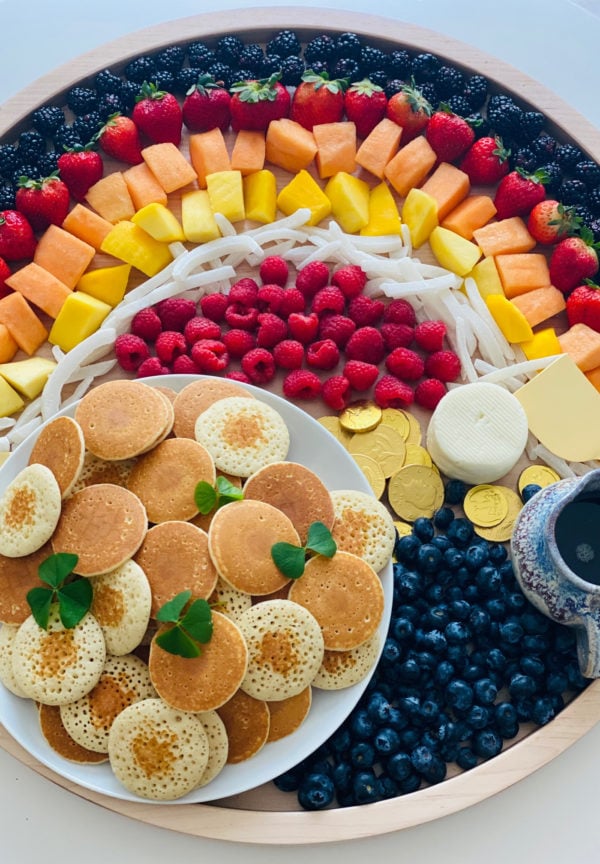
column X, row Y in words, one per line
column 348, row 45
column 479, row 124
column 568, row 155
column 187, row 77
column 47, row 119
column 530, row 126
column 285, row 43
column 594, row 226
column 449, row 81
column 200, row 55
column 228, row 50
column 505, row 116
column 398, row 64
column 318, row 67
column 170, row 58
column 588, row 171
column 524, row 158
column 8, row 159
column 48, row 163
column 128, row 94
column 583, row 213
column 165, row 80
column 370, row 59
column 26, row 169
column 292, row 70
column 594, row 200
column 572, row 191
column 271, row 65
column 347, row 67
column 554, row 174
column 379, row 77
column 222, row 72
column 111, row 103
column 429, row 91
column 459, row 105
column 87, row 125
column 425, row 66
column 66, row 138
column 544, row 146
column 475, row 91
column 7, row 196
column 31, row 145
column 140, row 69
column 320, row 48
column 242, row 75
column 252, row 57
column 82, row 99
column 107, row 82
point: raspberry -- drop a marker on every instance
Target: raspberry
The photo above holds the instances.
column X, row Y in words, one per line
column 243, row 291
column 184, row 365
column 259, row 365
column 400, row 311
column 274, row 269
column 210, row 356
column 169, row 345
column 361, row 375
column 270, row 297
column 213, row 306
column 365, row 311
column 351, row 279
column 175, row 312
column 405, row 364
column 337, row 327
column 429, row 335
column 328, row 299
column 336, row 392
column 239, row 342
column 366, row 344
column 292, row 300
column 289, row 354
column 271, row 330
column 444, row 365
column 390, row 392
column 151, row 366
column 397, row 335
column 301, row 384
column 146, row 324
column 236, row 375
column 312, row 278
column 243, row 317
column 429, row 392
column 302, row 327
column 323, row 354
column 201, row 328
column 131, row 351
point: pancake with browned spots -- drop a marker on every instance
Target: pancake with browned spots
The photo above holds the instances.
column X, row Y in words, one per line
column 17, row 577
column 289, row 714
column 341, row 669
column 58, row 738
column 196, row 397
column 8, row 634
column 97, row 470
column 61, row 448
column 218, row 745
column 121, row 606
column 363, row 526
column 247, row 722
column 30, row 508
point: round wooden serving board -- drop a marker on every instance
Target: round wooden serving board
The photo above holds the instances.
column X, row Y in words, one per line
column 263, row 815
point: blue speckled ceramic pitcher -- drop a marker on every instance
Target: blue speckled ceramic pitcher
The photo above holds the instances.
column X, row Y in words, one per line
column 555, row 550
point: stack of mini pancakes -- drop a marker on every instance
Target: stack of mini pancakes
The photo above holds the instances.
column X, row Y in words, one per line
column 115, row 486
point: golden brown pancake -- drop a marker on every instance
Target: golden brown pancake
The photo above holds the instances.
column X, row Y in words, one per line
column 61, row 742
column 289, row 714
column 247, row 723
column 17, row 577
column 218, row 745
column 342, row 669
column 61, row 448
column 363, row 526
column 29, row 511
column 121, row 606
column 196, row 397
column 97, row 470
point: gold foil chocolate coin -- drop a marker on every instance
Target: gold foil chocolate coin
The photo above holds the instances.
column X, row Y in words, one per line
column 415, row 435
column 361, row 416
column 503, row 531
column 485, row 505
column 415, row 490
column 403, row 528
column 397, row 419
column 541, row 475
column 333, row 425
column 383, row 444
column 372, row 471
column 417, row 455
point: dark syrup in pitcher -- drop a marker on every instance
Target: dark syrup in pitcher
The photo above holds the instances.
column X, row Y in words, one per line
column 577, row 536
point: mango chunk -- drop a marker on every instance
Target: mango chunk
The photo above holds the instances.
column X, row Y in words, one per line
column 454, row 252
column 106, row 283
column 159, row 222
column 543, row 344
column 197, row 218
column 226, row 194
column 384, row 217
column 349, row 197
column 10, row 401
column 304, row 191
column 486, row 276
column 511, row 321
column 260, row 196
column 80, row 316
column 420, row 215
column 28, row 377
column 131, row 244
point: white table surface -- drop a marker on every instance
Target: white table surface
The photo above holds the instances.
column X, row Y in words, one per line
column 552, row 816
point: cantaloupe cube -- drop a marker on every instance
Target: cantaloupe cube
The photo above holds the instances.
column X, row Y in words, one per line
column 379, row 147
column 169, row 166
column 131, row 244
column 472, row 213
column 289, row 145
column 249, row 151
column 260, row 196
column 80, row 316
column 160, row 223
column 504, row 237
column 10, row 401
column 522, row 271
column 543, row 344
column 452, row 251
column 511, row 321
column 449, row 186
column 485, row 274
column 411, row 164
column 349, row 197
column 106, row 283
column 22, row 323
column 40, row 287
column 304, row 191
column 226, row 194
column 540, row 304
column 197, row 218
column 143, row 186
column 63, row 255
column 420, row 215
column 110, row 198
column 28, row 377
column 87, row 225
column 582, row 344
column 384, row 217
column 8, row 346
column 208, row 153
column 336, row 147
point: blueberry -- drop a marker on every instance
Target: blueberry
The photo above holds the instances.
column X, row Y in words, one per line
column 290, row 780
column 478, row 717
column 444, row 672
column 496, row 607
column 435, row 641
column 459, row 695
column 473, row 672
column 521, row 686
column 397, row 720
column 362, row 755
column 340, row 741
column 507, row 720
column 426, row 660
column 342, row 777
column 475, row 557
column 524, row 708
column 399, row 766
column 435, row 617
column 453, row 592
column 543, row 710
column 443, row 517
column 485, row 691
column 430, row 711
column 535, row 643
column 457, row 632
column 529, row 491
column 410, row 783
column 423, row 529
column 316, row 792
column 511, row 632
column 408, row 585
column 391, row 651
column 564, row 637
column 556, row 682
column 455, row 491
column 460, row 531
column 457, row 654
column 378, row 707
column 362, row 727
column 409, row 670
column 386, row 741
column 365, row 788
column 479, row 620
column 471, row 593
column 459, row 609
column 388, row 788
column 497, row 553
column 487, row 743
column 435, row 592
column 409, row 738
column 466, row 759
column 532, row 665
column 488, row 580
column 428, row 764
column 411, row 705
column 402, row 629
column 448, row 731
column 576, row 679
column 406, row 548
column 454, row 558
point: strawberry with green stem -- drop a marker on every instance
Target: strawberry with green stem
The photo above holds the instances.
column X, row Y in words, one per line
column 410, row 109
column 518, row 193
column 255, row 103
column 158, row 115
column 550, row 221
column 17, row 240
column 207, row 106
column 574, row 260
column 79, row 168
column 44, row 202
column 365, row 104
column 449, row 135
column 486, row 161
column 318, row 99
column 583, row 305
column 119, row 138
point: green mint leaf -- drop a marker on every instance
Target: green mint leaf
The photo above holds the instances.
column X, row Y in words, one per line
column 55, row 568
column 197, row 621
column 74, row 601
column 289, row 559
column 170, row 611
column 175, row 641
column 226, row 489
column 205, row 497
column 40, row 600
column 320, row 540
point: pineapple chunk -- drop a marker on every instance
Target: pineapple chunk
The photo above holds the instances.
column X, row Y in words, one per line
column 543, row 344
column 383, row 213
column 197, row 218
column 29, row 376
column 260, row 196
column 80, row 316
column 226, row 194
column 304, row 191
column 106, row 283
column 419, row 214
column 454, row 252
column 485, row 274
column 159, row 222
column 511, row 321
column 10, row 401
column 132, row 244
column 349, row 197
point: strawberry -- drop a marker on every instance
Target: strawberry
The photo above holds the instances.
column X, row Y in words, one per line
column 79, row 169
column 317, row 99
column 573, row 260
column 207, row 106
column 255, row 103
column 119, row 138
column 43, row 202
column 4, row 274
column 409, row 109
column 486, row 161
column 17, row 240
column 365, row 104
column 519, row 192
column 158, row 115
column 550, row 221
column 583, row 306
column 449, row 135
